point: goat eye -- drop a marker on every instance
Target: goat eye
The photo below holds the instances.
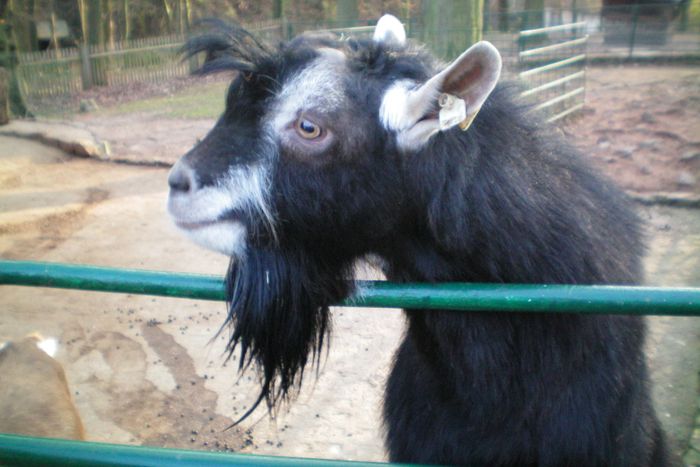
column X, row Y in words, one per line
column 308, row 129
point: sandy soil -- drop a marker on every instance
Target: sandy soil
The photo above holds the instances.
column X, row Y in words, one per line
column 641, row 126
column 148, row 370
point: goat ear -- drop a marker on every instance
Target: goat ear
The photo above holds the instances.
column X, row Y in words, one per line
column 471, row 77
column 390, row 31
column 458, row 91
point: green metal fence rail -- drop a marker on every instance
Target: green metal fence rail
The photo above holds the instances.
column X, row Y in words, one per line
column 22, row 450
column 450, row 296
column 41, row 452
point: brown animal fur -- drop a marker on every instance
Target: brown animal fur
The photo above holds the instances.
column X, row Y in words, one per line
column 34, row 395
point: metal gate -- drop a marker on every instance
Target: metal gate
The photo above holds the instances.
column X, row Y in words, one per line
column 552, row 62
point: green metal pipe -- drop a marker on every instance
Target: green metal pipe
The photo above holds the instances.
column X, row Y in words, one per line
column 73, row 276
column 449, row 296
column 40, row 452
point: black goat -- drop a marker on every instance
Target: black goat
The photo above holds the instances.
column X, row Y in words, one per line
column 331, row 150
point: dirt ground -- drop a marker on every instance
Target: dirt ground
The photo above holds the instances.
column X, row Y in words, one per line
column 148, row 370
column 641, row 126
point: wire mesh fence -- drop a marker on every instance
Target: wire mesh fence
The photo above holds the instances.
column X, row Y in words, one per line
column 552, row 62
column 645, row 30
column 51, row 80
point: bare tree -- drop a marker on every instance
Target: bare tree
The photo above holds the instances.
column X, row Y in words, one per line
column 451, row 26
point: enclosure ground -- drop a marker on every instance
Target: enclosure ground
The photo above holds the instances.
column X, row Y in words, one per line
column 149, row 370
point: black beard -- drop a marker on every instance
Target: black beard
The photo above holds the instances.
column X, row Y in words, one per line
column 279, row 315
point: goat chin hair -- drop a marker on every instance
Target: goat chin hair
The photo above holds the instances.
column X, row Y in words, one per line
column 278, row 302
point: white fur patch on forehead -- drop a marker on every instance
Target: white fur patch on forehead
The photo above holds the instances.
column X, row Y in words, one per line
column 403, row 108
column 394, row 111
column 317, row 87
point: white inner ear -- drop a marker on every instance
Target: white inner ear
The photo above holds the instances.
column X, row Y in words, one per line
column 473, row 75
column 389, row 31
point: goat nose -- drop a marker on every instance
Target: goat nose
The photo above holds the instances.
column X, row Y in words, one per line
column 181, row 178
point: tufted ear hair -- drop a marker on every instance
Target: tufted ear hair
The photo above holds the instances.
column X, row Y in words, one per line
column 458, row 92
column 390, row 31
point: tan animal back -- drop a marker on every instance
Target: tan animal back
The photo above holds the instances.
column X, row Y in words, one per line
column 34, row 395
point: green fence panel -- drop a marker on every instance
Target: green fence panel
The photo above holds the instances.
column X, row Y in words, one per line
column 41, row 452
column 450, row 296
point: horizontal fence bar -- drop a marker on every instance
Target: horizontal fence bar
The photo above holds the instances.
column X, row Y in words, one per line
column 50, row 61
column 561, row 27
column 70, row 276
column 551, row 84
column 350, row 30
column 446, row 296
column 561, row 98
column 116, row 52
column 549, row 48
column 30, row 451
column 565, row 113
column 553, row 66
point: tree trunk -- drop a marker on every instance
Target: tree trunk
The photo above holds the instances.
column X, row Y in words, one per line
column 278, row 9
column 503, row 16
column 434, row 26
column 475, row 20
column 96, row 37
column 451, row 26
column 407, row 15
column 20, row 16
column 95, row 9
column 534, row 14
column 182, row 14
column 111, row 26
column 188, row 16
column 84, row 27
column 54, row 37
column 8, row 62
column 346, row 13
column 127, row 20
column 8, row 55
column 4, row 96
column 168, row 16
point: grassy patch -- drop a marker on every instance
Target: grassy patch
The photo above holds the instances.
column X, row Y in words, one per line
column 206, row 101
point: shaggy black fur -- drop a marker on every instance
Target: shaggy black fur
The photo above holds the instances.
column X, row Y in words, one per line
column 278, row 313
column 506, row 201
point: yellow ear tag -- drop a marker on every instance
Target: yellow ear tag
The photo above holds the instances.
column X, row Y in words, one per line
column 467, row 122
column 453, row 111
